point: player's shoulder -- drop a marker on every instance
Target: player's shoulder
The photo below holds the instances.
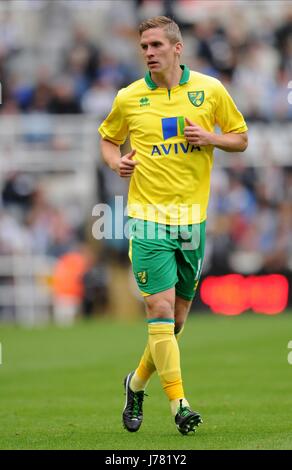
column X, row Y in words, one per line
column 202, row 80
column 135, row 87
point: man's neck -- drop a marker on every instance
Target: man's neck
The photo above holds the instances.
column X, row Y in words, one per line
column 168, row 79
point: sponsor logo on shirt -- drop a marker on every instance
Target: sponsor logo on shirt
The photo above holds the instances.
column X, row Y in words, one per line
column 167, row 149
column 173, row 127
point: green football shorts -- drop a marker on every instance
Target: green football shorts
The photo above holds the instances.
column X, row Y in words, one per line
column 165, row 256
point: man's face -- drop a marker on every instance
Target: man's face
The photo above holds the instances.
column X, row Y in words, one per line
column 158, row 52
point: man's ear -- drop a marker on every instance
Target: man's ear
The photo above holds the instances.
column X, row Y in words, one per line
column 178, row 48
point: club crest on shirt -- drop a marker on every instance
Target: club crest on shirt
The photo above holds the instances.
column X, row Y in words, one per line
column 196, row 97
column 142, row 277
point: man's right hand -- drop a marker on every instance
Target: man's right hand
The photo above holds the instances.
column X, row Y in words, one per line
column 126, row 166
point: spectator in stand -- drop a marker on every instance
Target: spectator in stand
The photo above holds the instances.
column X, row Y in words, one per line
column 99, row 98
column 283, row 41
column 63, row 99
column 84, row 53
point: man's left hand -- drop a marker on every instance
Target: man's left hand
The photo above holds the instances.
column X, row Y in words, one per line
column 197, row 135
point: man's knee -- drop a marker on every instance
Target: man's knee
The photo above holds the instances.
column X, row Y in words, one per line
column 160, row 307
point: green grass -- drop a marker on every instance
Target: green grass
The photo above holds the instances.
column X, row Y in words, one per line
column 62, row 388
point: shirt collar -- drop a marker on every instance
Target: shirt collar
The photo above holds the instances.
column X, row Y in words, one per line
column 184, row 78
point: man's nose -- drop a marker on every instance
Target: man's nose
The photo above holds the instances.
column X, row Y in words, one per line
column 149, row 52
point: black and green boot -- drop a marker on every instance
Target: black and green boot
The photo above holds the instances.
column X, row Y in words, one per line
column 186, row 419
column 133, row 410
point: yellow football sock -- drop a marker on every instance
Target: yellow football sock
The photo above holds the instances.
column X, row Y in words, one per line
column 165, row 354
column 143, row 372
column 146, row 368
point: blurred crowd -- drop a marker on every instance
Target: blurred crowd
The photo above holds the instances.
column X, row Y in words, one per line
column 250, row 220
column 75, row 65
column 253, row 59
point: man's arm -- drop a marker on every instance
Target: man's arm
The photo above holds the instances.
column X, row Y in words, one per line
column 111, row 154
column 230, row 142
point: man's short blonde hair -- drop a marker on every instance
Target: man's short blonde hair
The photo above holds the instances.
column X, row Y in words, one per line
column 171, row 29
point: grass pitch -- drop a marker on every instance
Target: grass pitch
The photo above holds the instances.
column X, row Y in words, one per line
column 62, row 388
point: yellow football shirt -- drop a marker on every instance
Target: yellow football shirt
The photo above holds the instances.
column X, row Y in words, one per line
column 171, row 184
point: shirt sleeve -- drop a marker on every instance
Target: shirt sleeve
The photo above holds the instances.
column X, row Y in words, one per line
column 114, row 127
column 227, row 116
